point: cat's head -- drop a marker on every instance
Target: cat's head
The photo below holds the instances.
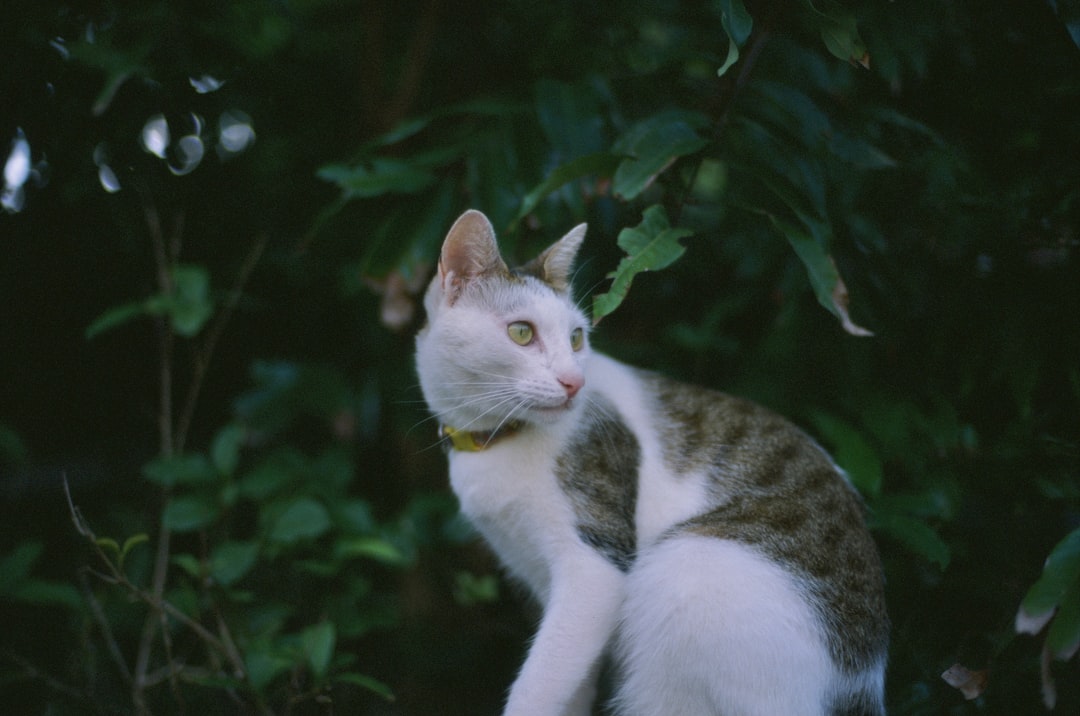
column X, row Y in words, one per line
column 501, row 344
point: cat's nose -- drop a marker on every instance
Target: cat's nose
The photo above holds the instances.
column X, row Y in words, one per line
column 572, row 383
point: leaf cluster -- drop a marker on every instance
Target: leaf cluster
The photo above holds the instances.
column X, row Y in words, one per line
column 261, row 521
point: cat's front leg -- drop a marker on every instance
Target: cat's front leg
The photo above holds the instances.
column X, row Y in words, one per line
column 559, row 674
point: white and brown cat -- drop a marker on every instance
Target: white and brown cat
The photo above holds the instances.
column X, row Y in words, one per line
column 705, row 544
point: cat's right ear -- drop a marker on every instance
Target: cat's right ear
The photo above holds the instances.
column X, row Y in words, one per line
column 468, row 251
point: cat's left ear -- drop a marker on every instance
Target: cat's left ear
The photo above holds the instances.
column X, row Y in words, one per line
column 469, row 251
column 554, row 266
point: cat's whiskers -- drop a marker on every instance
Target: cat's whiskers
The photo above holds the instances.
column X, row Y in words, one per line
column 503, row 395
column 467, row 426
column 497, row 406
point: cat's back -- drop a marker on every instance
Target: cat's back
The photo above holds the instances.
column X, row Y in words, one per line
column 769, row 486
column 743, row 520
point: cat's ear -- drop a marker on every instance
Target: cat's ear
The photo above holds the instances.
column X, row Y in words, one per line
column 554, row 266
column 468, row 251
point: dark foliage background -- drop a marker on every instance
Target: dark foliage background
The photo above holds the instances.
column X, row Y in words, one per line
column 207, row 333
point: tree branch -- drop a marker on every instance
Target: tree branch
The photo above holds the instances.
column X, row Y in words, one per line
column 158, row 605
column 213, row 334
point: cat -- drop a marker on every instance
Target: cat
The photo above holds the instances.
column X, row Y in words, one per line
column 705, row 545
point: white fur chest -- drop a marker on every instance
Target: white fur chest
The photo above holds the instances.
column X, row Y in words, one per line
column 509, row 492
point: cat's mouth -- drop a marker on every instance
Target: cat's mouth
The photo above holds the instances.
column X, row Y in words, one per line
column 552, row 411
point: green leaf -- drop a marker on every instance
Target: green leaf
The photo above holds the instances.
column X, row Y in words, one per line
column 263, row 665
column 915, row 535
column 408, row 128
column 273, row 474
column 1060, row 574
column 304, row 518
column 132, row 542
column 190, row 306
column 225, row 451
column 829, row 287
column 1069, row 14
column 191, row 512
column 370, row 547
column 1063, row 638
column 841, row 37
column 404, row 240
column 377, row 177
column 731, row 58
column 12, row 448
column 737, row 25
column 652, row 145
column 48, row 594
column 324, row 568
column 354, row 516
column 108, row 544
column 16, row 583
column 16, row 566
column 840, row 32
column 852, row 451
column 736, row 20
column 651, row 245
column 117, row 316
column 366, row 682
column 117, row 63
column 601, row 163
column 859, row 152
column 230, row 561
column 129, row 544
column 470, row 589
column 403, row 130
column 317, row 643
column 189, row 563
column 183, row 469
column 333, row 469
column 570, row 116
column 791, row 118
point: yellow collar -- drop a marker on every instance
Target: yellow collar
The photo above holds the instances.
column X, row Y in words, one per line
column 477, row 440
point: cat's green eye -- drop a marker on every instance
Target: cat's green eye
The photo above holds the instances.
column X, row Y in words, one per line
column 577, row 339
column 520, row 333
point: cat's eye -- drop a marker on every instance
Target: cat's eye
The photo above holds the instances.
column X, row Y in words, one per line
column 577, row 339
column 520, row 332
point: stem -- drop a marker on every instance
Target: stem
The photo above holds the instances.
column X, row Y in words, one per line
column 162, row 265
column 32, row 672
column 170, row 663
column 159, row 606
column 417, row 53
column 103, row 623
column 164, row 259
column 202, row 356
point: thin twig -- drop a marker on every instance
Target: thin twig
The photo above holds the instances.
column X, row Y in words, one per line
column 759, row 38
column 164, row 259
column 102, row 622
column 32, row 672
column 76, row 516
column 158, row 605
column 213, row 334
column 229, row 645
column 171, row 667
column 396, row 108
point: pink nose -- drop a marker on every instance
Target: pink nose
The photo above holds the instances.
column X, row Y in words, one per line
column 572, row 383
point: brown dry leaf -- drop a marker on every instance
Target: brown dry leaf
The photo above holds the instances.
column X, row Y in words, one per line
column 398, row 296
column 970, row 683
column 840, row 301
column 1049, row 687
